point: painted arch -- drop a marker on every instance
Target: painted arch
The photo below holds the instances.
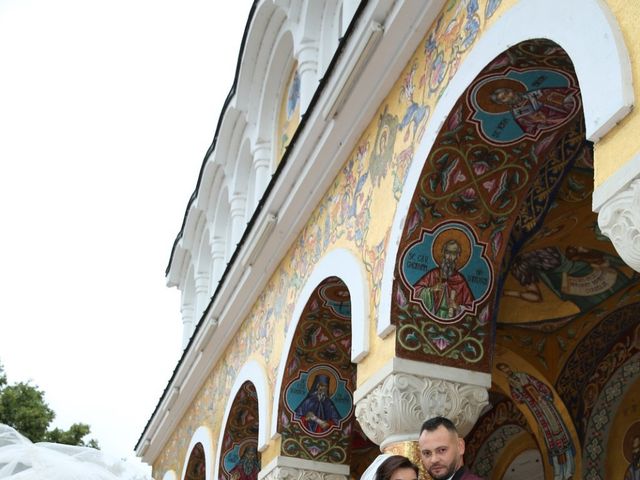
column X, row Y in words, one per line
column 486, row 186
column 238, row 456
column 587, row 31
column 343, row 264
column 314, row 412
column 198, row 465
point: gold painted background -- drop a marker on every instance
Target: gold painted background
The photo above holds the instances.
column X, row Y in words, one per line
column 370, row 181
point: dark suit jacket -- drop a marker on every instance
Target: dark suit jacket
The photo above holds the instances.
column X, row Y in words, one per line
column 464, row 474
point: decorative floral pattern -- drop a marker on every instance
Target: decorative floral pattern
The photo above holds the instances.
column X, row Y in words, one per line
column 316, row 406
column 501, row 138
column 342, row 218
column 597, row 432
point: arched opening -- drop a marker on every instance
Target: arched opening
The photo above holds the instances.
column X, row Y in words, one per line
column 196, row 467
column 316, row 415
column 239, row 456
column 502, row 268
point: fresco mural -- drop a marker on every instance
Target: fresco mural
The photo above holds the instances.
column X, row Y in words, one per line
column 363, row 452
column 316, row 412
column 241, row 462
column 568, row 267
column 631, row 448
column 600, row 433
column 343, row 219
column 319, row 400
column 289, row 118
column 518, row 122
column 564, row 275
column 518, row 104
column 447, row 271
column 196, row 469
column 538, row 398
column 492, row 433
column 239, row 459
column 515, row 172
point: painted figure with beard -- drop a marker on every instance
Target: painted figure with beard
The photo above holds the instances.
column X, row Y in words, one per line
column 538, row 109
column 444, row 291
column 442, row 450
column 317, row 411
column 633, row 471
column 248, row 466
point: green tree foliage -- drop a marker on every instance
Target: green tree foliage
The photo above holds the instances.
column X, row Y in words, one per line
column 22, row 406
column 73, row 436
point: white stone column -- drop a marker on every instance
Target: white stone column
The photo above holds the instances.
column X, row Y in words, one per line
column 187, row 322
column 619, row 219
column 290, row 468
column 307, row 56
column 217, row 260
column 238, row 224
column 202, row 290
column 392, row 405
column 262, row 168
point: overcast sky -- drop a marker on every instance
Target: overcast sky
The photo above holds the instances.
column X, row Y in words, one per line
column 107, row 108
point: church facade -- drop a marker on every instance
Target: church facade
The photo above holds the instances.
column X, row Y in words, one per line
column 413, row 209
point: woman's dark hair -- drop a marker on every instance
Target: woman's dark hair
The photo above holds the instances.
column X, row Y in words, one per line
column 393, row 463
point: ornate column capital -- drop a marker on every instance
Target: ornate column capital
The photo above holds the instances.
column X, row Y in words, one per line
column 619, row 219
column 393, row 410
column 290, row 473
column 290, row 468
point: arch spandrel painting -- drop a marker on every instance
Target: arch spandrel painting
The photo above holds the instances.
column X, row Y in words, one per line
column 316, row 407
column 239, row 458
column 566, row 267
column 319, row 400
column 494, row 170
column 241, row 461
column 538, row 398
column 631, row 451
column 196, row 469
column 522, row 103
column 447, row 272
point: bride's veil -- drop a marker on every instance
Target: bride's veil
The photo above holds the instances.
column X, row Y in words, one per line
column 370, row 472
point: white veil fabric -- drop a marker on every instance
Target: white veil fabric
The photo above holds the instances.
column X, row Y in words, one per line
column 370, row 472
column 22, row 460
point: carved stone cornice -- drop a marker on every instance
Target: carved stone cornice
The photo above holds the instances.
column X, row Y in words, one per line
column 619, row 219
column 394, row 410
column 291, row 473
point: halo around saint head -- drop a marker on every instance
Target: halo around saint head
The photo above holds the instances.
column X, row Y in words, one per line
column 245, row 445
column 627, row 445
column 326, row 372
column 482, row 93
column 452, row 234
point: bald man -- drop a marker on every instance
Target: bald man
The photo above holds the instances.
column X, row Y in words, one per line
column 441, row 450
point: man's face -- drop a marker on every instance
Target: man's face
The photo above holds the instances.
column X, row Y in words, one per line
column 441, row 452
column 506, row 96
column 450, row 256
column 451, row 253
column 250, row 454
column 321, row 390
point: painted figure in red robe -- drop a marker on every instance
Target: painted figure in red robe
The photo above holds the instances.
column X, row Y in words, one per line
column 443, row 290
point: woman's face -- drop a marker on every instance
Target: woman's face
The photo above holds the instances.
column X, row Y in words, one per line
column 404, row 474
